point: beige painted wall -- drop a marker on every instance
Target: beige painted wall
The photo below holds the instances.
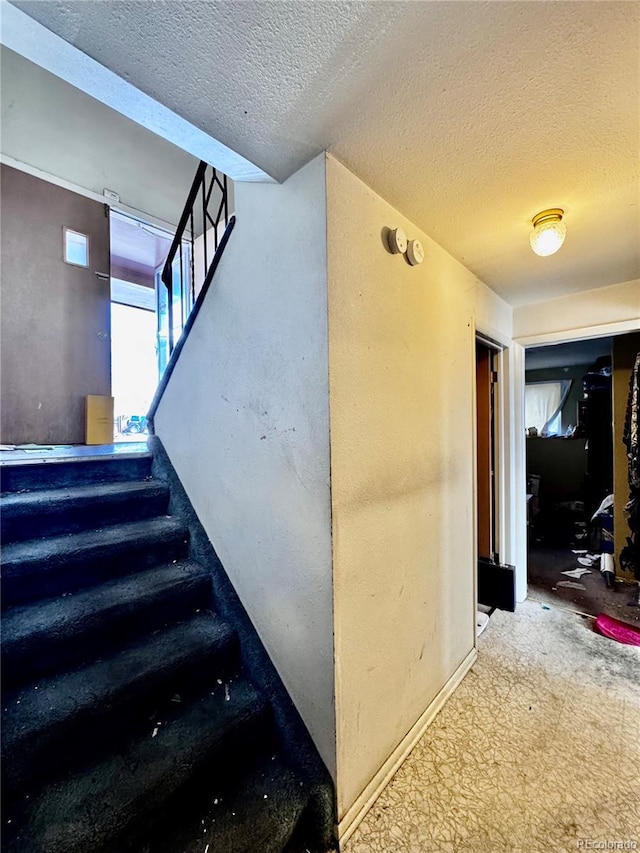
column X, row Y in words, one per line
column 625, row 348
column 592, row 313
column 401, row 378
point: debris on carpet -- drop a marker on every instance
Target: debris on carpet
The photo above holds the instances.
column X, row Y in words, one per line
column 571, row 585
column 576, row 573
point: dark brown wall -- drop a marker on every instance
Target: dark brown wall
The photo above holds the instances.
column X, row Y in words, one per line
column 561, row 464
column 55, row 318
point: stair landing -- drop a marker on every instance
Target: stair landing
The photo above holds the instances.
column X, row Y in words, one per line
column 25, row 453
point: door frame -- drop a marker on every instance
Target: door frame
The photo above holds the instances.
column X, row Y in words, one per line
column 518, row 485
column 509, row 449
column 511, row 480
column 486, row 429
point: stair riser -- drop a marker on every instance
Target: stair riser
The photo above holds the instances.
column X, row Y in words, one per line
column 94, row 635
column 27, row 580
column 52, row 475
column 99, row 729
column 72, row 516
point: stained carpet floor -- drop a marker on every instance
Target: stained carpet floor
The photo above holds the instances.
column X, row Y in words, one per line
column 537, row 750
column 545, row 568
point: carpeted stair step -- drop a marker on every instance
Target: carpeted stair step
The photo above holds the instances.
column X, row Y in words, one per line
column 127, row 725
column 110, row 805
column 58, row 721
column 54, row 473
column 258, row 812
column 58, row 633
column 37, row 568
column 47, row 512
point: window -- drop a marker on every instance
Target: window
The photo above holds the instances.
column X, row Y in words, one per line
column 76, row 248
column 543, row 402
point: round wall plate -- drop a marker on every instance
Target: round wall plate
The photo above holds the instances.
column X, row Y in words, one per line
column 397, row 241
column 415, row 252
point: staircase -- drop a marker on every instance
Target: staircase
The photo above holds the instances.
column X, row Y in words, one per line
column 131, row 719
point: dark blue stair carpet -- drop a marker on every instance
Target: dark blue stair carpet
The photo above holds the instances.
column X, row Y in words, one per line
column 47, row 512
column 52, row 474
column 255, row 813
column 130, row 724
column 112, row 804
column 44, row 567
column 46, row 726
column 71, row 629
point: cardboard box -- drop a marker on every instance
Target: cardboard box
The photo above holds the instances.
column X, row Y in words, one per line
column 98, row 420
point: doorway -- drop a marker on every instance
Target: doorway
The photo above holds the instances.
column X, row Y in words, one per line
column 134, row 368
column 137, row 249
column 139, row 316
column 495, row 581
column 573, row 437
column 486, row 379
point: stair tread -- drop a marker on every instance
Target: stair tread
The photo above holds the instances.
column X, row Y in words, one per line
column 40, row 550
column 258, row 813
column 91, row 809
column 34, row 497
column 39, row 714
column 71, row 509
column 63, row 615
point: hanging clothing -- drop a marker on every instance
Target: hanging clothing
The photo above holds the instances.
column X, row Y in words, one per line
column 630, row 554
column 631, row 433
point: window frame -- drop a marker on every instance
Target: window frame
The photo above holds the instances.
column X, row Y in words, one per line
column 67, row 230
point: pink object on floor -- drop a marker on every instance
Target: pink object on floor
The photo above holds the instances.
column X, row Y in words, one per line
column 617, row 630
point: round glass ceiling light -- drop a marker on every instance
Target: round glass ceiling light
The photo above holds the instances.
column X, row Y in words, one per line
column 548, row 232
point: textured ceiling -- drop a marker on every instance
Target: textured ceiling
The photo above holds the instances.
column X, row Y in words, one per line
column 469, row 117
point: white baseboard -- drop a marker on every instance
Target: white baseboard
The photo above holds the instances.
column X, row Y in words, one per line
column 356, row 813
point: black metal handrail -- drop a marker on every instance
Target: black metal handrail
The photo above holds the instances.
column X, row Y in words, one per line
column 175, row 354
column 197, row 216
column 197, row 219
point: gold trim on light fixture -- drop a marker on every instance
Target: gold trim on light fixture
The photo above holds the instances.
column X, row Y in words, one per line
column 548, row 215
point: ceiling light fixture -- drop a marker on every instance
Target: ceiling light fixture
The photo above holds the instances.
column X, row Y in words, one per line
column 548, row 232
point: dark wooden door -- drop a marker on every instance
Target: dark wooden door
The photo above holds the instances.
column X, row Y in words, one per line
column 484, row 436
